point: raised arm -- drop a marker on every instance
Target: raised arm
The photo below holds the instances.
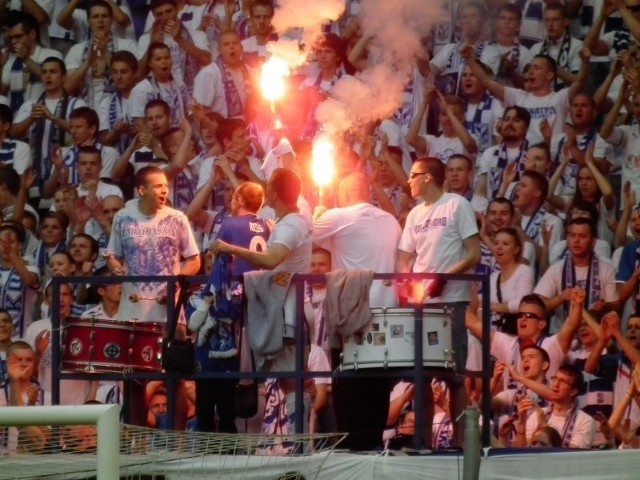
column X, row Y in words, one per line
column 460, row 130
column 611, row 119
column 413, row 134
column 496, row 88
column 620, row 238
column 180, row 159
column 65, row 17
column 600, row 97
column 572, row 323
column 581, row 79
column 603, row 183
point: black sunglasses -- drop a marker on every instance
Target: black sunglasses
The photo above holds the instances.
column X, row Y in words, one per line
column 413, row 175
column 529, row 315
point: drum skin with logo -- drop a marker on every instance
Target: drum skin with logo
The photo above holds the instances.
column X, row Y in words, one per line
column 98, row 345
column 388, row 341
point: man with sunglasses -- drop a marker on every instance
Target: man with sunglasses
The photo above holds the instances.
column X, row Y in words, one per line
column 532, row 325
column 441, row 236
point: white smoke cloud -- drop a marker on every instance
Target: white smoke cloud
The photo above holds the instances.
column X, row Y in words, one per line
column 397, row 28
column 308, row 15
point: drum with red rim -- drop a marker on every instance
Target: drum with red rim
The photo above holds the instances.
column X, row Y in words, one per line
column 98, row 345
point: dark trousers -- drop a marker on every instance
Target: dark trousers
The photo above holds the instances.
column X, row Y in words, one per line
column 361, row 406
column 216, row 398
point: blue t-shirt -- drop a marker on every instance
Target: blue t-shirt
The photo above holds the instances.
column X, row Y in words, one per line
column 247, row 231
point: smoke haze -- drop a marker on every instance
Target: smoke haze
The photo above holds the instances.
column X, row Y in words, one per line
column 397, row 28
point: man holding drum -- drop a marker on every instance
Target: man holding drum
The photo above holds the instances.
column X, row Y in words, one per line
column 441, row 236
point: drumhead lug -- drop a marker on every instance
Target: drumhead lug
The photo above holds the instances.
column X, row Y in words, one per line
column 449, row 356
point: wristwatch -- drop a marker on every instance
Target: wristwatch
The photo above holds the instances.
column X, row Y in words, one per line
column 106, row 254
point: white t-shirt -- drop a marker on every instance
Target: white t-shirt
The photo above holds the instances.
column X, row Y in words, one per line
column 550, row 284
column 207, row 165
column 294, row 232
column 353, row 236
column 517, row 286
column 149, row 246
column 435, row 233
column 109, row 156
column 318, row 362
column 208, row 89
column 174, row 93
column 449, row 61
column 72, row 392
column 178, row 55
column 21, row 157
column 506, row 347
column 15, row 79
column 488, row 165
column 569, row 180
column 76, row 57
column 443, row 147
column 553, row 107
column 583, row 431
column 551, row 221
column 628, row 138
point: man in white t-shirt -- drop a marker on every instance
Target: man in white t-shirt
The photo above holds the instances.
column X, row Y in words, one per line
column 576, row 428
column 13, row 153
column 530, row 196
column 254, row 48
column 626, row 137
column 288, row 250
column 89, row 166
column 446, row 65
column 441, row 236
column 189, row 48
column 21, row 74
column 559, row 44
column 583, row 269
column 459, row 178
column 88, row 62
column 352, row 234
column 540, row 100
column 149, row 238
column 532, row 324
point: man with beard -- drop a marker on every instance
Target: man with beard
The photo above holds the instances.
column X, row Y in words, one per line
column 512, row 150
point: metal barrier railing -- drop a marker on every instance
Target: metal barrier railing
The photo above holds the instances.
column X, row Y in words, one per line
column 418, row 372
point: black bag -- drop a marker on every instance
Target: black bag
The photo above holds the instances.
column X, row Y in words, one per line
column 509, row 320
column 178, row 355
column 246, row 400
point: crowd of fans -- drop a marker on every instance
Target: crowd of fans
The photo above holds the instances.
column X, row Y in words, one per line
column 533, row 120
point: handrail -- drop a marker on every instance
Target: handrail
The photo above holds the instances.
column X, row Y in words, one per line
column 300, row 373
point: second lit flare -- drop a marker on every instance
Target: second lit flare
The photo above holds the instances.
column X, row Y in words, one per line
column 272, row 79
column 322, row 165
